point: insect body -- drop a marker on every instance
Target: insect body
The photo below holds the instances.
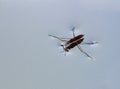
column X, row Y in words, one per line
column 74, row 42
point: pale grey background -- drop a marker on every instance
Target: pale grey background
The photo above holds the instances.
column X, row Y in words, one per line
column 29, row 59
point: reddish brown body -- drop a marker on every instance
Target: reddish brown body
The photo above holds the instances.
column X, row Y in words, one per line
column 75, row 38
column 73, row 42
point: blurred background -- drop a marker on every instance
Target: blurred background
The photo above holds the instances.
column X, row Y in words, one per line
column 30, row 59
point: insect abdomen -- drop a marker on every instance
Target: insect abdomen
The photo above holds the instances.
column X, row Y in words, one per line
column 75, row 38
column 74, row 44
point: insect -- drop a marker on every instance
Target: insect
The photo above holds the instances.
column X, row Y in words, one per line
column 74, row 42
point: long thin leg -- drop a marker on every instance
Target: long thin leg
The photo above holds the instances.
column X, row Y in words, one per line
column 64, row 52
column 89, row 43
column 58, row 38
column 84, row 52
column 73, row 29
